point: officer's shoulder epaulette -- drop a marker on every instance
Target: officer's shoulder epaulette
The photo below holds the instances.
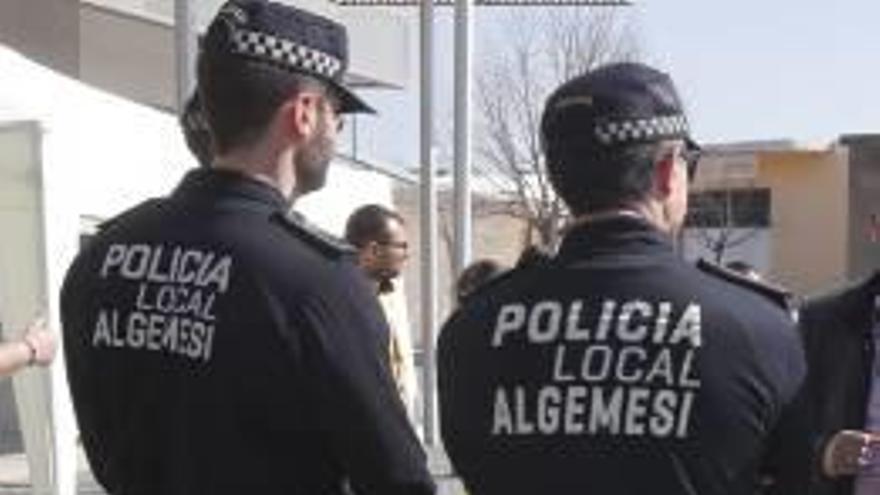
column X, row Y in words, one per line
column 779, row 296
column 322, row 241
column 140, row 207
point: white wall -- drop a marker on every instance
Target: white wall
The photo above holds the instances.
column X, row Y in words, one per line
column 127, row 55
column 47, row 30
column 24, row 293
column 97, row 155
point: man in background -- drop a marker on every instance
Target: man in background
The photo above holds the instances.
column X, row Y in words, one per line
column 379, row 234
column 841, row 332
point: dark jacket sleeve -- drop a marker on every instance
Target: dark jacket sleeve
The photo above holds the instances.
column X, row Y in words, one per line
column 789, row 462
column 80, row 370
column 357, row 403
column 835, row 394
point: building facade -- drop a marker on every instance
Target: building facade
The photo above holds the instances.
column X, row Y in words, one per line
column 807, row 217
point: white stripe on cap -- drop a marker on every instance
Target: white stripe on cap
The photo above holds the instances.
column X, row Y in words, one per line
column 626, row 131
column 234, row 11
column 285, row 52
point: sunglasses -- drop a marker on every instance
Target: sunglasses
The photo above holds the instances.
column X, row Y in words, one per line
column 335, row 107
column 402, row 245
column 691, row 154
column 328, row 103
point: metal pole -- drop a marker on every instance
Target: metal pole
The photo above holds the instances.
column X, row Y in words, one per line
column 186, row 48
column 462, row 133
column 428, row 213
column 354, row 136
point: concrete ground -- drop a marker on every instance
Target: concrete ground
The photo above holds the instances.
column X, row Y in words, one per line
column 14, row 478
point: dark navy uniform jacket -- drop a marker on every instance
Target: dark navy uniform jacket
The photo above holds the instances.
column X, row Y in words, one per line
column 216, row 347
column 616, row 368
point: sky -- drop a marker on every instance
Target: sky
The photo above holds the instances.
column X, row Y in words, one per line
column 748, row 70
column 805, row 70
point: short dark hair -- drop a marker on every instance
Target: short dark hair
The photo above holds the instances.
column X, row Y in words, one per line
column 240, row 96
column 195, row 131
column 602, row 131
column 475, row 276
column 369, row 223
column 533, row 256
column 590, row 178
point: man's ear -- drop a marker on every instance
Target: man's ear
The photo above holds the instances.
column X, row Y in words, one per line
column 375, row 249
column 299, row 115
column 664, row 171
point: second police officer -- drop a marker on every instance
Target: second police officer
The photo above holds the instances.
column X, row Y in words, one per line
column 616, row 367
column 216, row 346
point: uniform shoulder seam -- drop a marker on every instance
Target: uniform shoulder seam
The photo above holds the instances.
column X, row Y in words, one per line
column 149, row 203
column 325, row 243
column 778, row 296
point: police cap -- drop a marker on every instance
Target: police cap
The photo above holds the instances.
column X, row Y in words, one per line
column 612, row 106
column 285, row 37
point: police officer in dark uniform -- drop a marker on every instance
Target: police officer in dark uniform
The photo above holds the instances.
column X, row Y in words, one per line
column 216, row 346
column 616, row 367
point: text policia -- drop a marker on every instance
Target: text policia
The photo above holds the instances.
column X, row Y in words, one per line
column 173, row 310
column 629, row 370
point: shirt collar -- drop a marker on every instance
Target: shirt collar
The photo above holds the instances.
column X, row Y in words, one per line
column 217, row 184
column 614, row 234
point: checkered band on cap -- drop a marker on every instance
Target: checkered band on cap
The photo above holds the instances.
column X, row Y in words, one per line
column 636, row 130
column 286, row 53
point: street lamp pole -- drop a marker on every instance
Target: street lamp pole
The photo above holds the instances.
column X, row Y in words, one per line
column 186, row 48
column 462, row 133
column 428, row 213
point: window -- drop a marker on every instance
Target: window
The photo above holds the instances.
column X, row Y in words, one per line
column 736, row 208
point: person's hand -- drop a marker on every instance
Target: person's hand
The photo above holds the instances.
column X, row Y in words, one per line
column 849, row 451
column 40, row 343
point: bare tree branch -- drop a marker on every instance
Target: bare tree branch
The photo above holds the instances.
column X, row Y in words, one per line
column 538, row 54
column 721, row 232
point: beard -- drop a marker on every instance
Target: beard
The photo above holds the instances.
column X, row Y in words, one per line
column 383, row 273
column 312, row 160
column 384, row 277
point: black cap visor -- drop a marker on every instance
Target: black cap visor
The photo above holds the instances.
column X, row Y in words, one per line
column 349, row 102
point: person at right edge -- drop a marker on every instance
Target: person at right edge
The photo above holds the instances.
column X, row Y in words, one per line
column 841, row 331
column 216, row 345
column 616, row 367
